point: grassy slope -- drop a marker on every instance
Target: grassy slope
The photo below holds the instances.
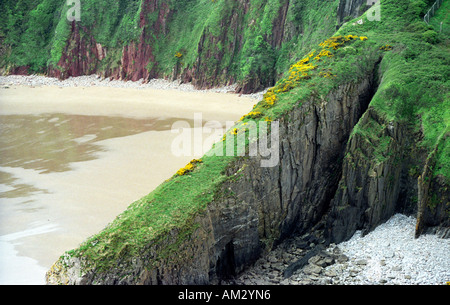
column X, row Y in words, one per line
column 415, row 84
column 443, row 159
column 414, row 90
column 442, row 15
column 37, row 32
column 29, row 27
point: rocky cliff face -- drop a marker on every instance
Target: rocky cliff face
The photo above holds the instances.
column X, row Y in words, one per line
column 207, row 71
column 81, row 56
column 351, row 8
column 369, row 188
column 346, row 164
column 380, row 177
column 249, row 43
column 433, row 197
column 343, row 167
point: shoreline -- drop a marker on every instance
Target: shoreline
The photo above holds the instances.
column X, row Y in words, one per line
column 114, row 168
column 368, row 260
column 87, row 81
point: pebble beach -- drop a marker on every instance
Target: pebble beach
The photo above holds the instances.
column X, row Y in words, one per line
column 97, row 81
column 389, row 255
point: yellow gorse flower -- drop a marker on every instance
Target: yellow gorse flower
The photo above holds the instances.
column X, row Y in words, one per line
column 269, row 98
column 189, row 167
column 254, row 114
column 323, row 53
column 326, row 74
column 301, row 71
column 386, row 47
column 338, row 41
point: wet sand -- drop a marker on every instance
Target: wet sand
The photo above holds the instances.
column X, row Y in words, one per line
column 86, row 154
column 106, row 101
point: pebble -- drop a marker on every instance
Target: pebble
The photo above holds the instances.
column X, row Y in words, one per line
column 389, row 255
column 401, row 260
column 342, row 258
column 8, row 81
column 361, row 262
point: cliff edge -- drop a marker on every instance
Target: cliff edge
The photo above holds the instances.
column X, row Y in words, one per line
column 360, row 126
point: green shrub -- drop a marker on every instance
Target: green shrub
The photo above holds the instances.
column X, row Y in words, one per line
column 430, row 36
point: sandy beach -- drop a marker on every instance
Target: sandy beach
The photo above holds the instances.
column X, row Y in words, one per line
column 126, row 102
column 124, row 138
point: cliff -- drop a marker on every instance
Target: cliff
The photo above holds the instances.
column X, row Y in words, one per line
column 255, row 207
column 350, row 156
column 359, row 117
column 217, row 43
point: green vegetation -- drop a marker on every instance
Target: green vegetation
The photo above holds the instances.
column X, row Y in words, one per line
column 28, row 27
column 442, row 16
column 414, row 89
column 148, row 221
column 37, row 33
column 307, row 64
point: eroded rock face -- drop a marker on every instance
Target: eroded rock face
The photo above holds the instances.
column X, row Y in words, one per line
column 369, row 188
column 352, row 8
column 81, row 56
column 257, row 206
column 433, row 207
column 377, row 181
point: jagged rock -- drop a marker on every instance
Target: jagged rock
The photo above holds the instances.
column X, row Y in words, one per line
column 321, row 260
column 352, row 8
column 314, row 259
column 302, row 244
column 342, row 258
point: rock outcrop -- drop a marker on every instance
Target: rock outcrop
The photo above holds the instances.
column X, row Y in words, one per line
column 369, row 189
column 378, row 180
column 433, row 197
column 81, row 56
column 352, row 8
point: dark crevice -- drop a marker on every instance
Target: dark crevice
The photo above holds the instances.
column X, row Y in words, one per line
column 364, row 101
column 336, row 165
column 226, row 264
